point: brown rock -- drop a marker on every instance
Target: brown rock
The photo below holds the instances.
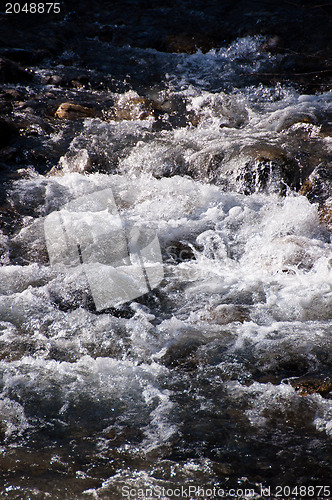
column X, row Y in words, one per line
column 313, row 385
column 325, row 215
column 12, row 94
column 306, row 187
column 70, row 111
column 130, row 106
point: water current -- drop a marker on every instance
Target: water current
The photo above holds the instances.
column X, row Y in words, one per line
column 219, row 376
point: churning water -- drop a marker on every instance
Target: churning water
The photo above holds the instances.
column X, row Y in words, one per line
column 197, row 382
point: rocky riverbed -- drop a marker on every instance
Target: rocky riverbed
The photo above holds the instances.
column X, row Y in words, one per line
column 211, row 124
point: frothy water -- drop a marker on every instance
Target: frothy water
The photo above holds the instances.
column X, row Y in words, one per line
column 197, row 381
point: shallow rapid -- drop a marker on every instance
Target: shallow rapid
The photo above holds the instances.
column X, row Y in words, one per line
column 221, row 374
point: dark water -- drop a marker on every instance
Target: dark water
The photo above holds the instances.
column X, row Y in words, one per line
column 211, row 125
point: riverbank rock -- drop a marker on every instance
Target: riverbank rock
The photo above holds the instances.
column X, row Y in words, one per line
column 70, row 111
column 11, row 72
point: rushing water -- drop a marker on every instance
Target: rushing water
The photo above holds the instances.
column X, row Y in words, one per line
column 197, row 382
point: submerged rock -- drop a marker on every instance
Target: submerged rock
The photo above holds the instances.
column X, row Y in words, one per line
column 131, row 106
column 182, row 354
column 307, row 386
column 225, row 313
column 70, row 111
column 318, row 185
column 325, row 214
column 270, row 175
column 80, row 163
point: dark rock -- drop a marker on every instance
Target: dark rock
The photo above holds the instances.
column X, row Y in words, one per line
column 106, row 33
column 7, row 133
column 23, row 56
column 12, row 94
column 317, row 187
column 190, row 44
column 326, row 130
column 178, row 252
column 80, row 82
column 55, row 80
column 206, row 165
column 2, row 431
column 182, row 355
column 269, row 174
column 10, row 72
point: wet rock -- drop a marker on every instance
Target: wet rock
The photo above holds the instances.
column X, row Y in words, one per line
column 178, row 252
column 106, row 33
column 222, row 109
column 308, row 385
column 2, row 431
column 270, row 175
column 11, row 94
column 10, row 72
column 182, row 355
column 56, row 80
column 8, row 132
column 9, row 154
column 325, row 130
column 118, row 437
column 80, row 163
column 306, row 187
column 206, row 165
column 225, row 313
column 80, row 82
column 70, row 111
column 29, row 245
column 131, row 106
column 325, row 214
column 317, row 187
column 273, row 44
